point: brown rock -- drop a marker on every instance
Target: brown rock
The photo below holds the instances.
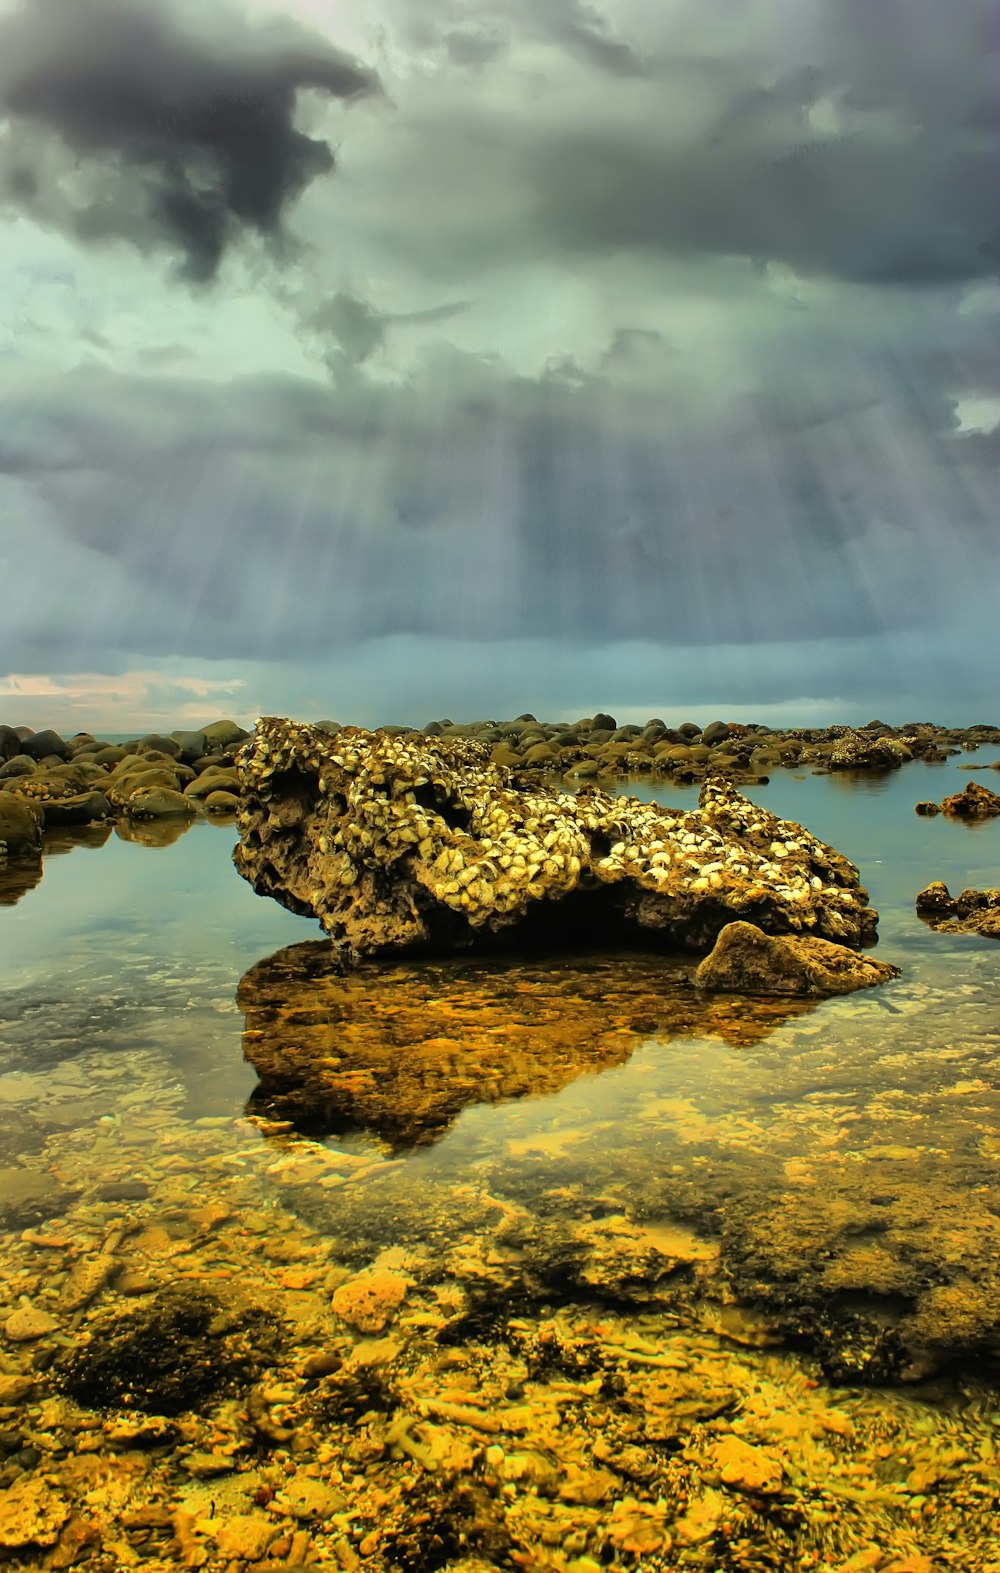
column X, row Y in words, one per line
column 246, row 1537
column 15, row 1389
column 747, row 961
column 370, row 1300
column 31, row 1514
column 745, row 1468
column 970, row 912
column 975, row 802
column 26, row 1324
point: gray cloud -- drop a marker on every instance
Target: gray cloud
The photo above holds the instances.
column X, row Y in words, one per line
column 467, row 502
column 705, row 469
column 164, row 136
column 346, row 331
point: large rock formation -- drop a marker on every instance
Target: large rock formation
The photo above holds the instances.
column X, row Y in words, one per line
column 402, row 841
column 856, row 751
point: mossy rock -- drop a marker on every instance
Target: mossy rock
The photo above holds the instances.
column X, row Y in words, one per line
column 541, row 754
column 215, row 779
column 157, row 802
column 154, row 743
column 224, row 734
column 182, row 1351
column 44, row 745
column 86, row 808
column 127, row 785
column 505, row 756
column 221, row 803
column 20, row 826
column 190, row 744
column 19, row 766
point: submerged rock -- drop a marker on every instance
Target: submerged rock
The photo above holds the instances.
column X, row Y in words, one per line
column 396, row 842
column 181, row 1351
column 747, row 961
column 970, row 912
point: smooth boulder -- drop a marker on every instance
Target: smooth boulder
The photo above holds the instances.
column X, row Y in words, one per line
column 745, row 960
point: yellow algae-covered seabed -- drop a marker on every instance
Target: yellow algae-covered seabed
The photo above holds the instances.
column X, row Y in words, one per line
column 534, row 1264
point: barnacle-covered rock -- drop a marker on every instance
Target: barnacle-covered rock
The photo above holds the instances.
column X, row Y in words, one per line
column 861, row 751
column 402, row 841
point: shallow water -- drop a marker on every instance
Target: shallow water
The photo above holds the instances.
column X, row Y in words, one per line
column 631, row 1231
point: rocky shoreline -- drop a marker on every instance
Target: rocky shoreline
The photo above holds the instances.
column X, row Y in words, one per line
column 83, row 780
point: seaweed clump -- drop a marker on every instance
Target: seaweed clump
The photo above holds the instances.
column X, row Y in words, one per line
column 169, row 1357
column 434, row 1525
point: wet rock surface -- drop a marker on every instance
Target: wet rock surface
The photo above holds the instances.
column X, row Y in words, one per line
column 564, row 1345
column 398, row 842
column 169, row 1356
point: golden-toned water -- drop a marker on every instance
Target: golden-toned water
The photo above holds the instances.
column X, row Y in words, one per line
column 546, row 1264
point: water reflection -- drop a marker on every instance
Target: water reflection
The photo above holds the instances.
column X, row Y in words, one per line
column 399, row 1051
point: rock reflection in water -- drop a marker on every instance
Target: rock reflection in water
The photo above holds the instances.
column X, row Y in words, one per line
column 399, row 1051
column 23, row 874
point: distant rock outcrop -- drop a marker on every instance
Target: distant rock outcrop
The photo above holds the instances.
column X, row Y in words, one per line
column 863, row 751
column 975, row 802
column 970, row 912
column 402, row 841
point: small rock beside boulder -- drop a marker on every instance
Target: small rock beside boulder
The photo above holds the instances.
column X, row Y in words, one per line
column 745, row 960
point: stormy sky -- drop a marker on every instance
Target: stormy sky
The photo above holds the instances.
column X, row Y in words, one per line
column 410, row 358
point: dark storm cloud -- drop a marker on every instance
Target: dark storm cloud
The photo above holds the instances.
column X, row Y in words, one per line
column 570, row 25
column 869, row 151
column 160, row 135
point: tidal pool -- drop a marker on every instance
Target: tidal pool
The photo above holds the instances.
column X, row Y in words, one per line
column 536, row 1264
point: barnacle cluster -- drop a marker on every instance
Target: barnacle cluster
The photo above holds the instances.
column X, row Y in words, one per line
column 381, row 834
